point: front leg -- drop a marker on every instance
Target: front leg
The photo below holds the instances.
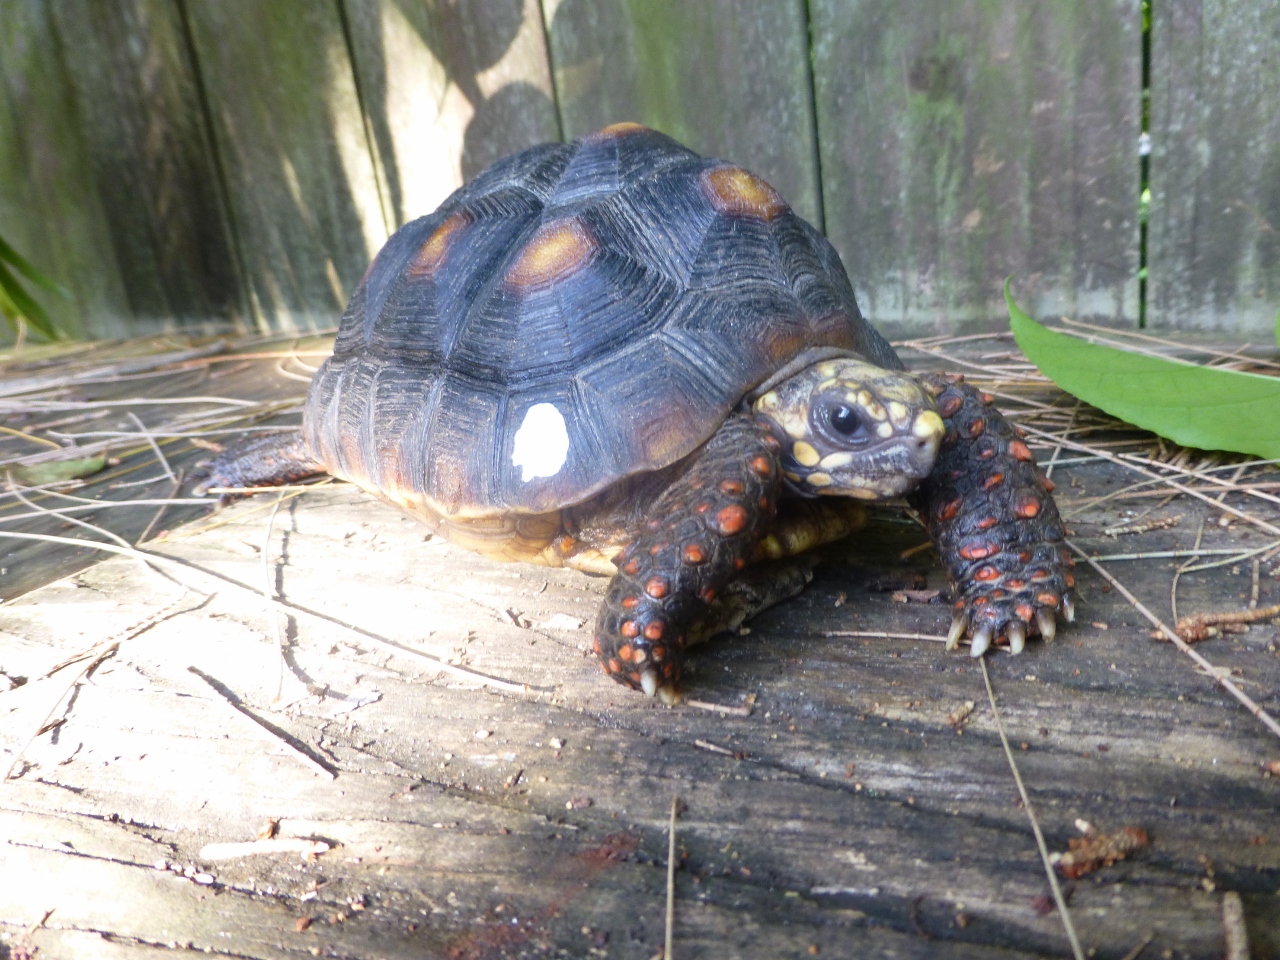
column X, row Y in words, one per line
column 696, row 537
column 989, row 512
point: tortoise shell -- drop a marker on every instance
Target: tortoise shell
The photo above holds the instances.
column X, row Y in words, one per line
column 577, row 314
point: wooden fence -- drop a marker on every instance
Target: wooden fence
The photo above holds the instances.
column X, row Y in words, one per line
column 213, row 163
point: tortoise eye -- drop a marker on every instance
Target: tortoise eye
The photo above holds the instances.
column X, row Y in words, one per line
column 845, row 421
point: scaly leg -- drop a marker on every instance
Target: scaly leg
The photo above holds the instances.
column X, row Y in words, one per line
column 989, row 511
column 698, row 535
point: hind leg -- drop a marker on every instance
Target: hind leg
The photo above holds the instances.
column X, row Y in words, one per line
column 760, row 587
column 269, row 461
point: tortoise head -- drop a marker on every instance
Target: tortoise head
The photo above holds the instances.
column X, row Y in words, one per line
column 852, row 429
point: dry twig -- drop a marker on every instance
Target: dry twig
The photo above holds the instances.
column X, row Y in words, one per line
column 671, row 879
column 1129, row 528
column 461, row 672
column 1218, row 675
column 1199, row 626
column 105, row 648
column 1058, row 898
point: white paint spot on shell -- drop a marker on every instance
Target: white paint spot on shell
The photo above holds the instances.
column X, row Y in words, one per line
column 541, row 444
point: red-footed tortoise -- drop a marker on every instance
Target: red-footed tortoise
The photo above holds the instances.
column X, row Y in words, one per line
column 617, row 355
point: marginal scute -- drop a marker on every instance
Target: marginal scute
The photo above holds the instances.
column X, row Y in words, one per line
column 737, row 193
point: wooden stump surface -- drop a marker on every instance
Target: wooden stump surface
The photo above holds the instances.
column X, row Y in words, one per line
column 846, row 815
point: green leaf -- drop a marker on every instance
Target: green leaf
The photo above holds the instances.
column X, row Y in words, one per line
column 17, row 302
column 36, row 474
column 20, row 264
column 1195, row 406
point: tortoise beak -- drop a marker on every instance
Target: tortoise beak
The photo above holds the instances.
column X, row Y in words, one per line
column 927, row 432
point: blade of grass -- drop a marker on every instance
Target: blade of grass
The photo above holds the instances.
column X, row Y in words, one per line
column 21, row 264
column 16, row 302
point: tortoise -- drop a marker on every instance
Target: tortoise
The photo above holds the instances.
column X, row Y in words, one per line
column 620, row 356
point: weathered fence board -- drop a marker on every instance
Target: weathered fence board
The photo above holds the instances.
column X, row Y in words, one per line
column 288, row 127
column 448, row 88
column 729, row 78
column 206, row 162
column 49, row 208
column 140, row 112
column 1215, row 166
column 963, row 142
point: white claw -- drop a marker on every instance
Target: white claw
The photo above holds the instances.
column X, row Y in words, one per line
column 958, row 624
column 649, row 680
column 981, row 640
column 1048, row 624
column 670, row 696
column 1069, row 608
column 1017, row 634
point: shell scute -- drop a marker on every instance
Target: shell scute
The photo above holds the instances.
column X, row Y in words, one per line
column 616, row 296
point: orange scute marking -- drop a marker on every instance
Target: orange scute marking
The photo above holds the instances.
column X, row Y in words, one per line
column 693, row 553
column 1026, row 508
column 1021, row 451
column 731, row 519
column 737, row 193
column 949, row 406
column 432, row 253
column 977, row 551
column 556, row 250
